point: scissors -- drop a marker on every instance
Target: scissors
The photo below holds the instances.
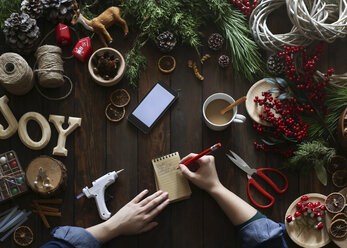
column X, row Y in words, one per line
column 246, row 168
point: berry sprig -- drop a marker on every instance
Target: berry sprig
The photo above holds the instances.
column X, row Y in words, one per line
column 306, row 212
column 284, row 112
column 245, row 6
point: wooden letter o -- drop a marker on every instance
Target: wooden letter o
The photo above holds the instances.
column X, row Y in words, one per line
column 23, row 132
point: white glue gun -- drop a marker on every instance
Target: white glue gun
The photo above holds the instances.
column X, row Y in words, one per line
column 98, row 192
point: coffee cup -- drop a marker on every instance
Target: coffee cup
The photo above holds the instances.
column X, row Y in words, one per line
column 211, row 112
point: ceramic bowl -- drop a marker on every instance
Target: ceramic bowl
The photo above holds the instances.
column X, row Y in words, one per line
column 121, row 70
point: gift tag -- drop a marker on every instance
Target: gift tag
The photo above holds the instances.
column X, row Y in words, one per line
column 83, row 49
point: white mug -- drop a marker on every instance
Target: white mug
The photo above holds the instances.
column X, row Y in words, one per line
column 237, row 118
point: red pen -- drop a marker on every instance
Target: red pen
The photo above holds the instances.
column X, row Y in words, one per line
column 207, row 151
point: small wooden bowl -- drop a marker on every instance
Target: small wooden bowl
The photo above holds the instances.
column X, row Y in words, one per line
column 121, row 70
column 167, row 70
column 114, row 95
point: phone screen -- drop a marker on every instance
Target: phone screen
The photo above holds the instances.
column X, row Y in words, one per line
column 153, row 105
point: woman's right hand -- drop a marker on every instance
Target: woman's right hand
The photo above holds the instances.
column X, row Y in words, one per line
column 205, row 177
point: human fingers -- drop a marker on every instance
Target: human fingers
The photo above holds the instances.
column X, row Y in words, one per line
column 148, row 227
column 158, row 209
column 156, row 201
column 139, row 196
column 150, row 198
column 205, row 159
column 186, row 172
column 189, row 156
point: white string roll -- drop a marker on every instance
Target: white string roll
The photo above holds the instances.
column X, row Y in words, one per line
column 264, row 37
column 15, row 74
column 319, row 20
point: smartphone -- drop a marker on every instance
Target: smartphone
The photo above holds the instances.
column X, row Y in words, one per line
column 153, row 106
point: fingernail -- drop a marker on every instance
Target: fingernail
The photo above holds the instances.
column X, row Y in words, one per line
column 159, row 191
column 146, row 190
column 166, row 193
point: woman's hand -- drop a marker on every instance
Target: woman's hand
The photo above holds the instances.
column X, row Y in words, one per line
column 205, row 177
column 134, row 218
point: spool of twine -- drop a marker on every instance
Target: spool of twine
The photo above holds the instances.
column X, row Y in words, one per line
column 15, row 74
column 50, row 66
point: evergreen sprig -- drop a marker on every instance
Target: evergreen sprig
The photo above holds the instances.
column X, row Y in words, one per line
column 336, row 102
column 185, row 18
column 311, row 155
column 6, row 8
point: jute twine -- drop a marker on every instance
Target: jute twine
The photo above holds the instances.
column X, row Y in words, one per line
column 15, row 74
column 50, row 66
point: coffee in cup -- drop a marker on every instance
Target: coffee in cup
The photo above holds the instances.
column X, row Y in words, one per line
column 211, row 112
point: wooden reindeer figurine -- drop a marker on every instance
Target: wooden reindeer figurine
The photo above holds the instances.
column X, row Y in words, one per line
column 99, row 24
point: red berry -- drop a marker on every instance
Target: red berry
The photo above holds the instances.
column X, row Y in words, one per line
column 322, row 207
column 297, row 215
column 289, row 218
column 316, row 204
column 299, row 205
column 319, row 226
column 309, row 205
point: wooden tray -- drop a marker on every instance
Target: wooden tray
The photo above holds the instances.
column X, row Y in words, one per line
column 254, row 109
column 339, row 242
column 309, row 238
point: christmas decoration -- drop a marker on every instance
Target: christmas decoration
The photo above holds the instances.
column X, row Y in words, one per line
column 223, row 61
column 304, row 220
column 276, row 65
column 166, row 64
column 21, row 33
column 335, row 202
column 245, row 6
column 311, row 155
column 338, row 229
column 106, row 65
column 23, row 236
column 63, row 35
column 197, row 74
column 33, row 8
column 100, row 23
column 215, row 41
column 165, row 41
column 83, row 49
column 58, row 10
column 204, row 58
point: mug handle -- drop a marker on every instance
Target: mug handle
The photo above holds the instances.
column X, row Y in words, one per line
column 239, row 118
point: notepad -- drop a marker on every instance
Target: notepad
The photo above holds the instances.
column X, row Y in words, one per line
column 169, row 179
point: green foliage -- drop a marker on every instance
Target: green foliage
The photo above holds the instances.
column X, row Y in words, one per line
column 185, row 18
column 311, row 155
column 336, row 101
column 6, row 8
column 136, row 62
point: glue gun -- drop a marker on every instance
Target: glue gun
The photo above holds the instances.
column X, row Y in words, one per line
column 98, row 192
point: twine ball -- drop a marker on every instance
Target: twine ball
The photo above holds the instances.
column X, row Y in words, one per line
column 16, row 75
column 50, row 66
column 319, row 20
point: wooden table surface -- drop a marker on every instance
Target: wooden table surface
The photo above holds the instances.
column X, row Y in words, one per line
column 100, row 146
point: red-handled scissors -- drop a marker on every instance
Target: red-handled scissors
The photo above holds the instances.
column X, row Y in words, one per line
column 246, row 168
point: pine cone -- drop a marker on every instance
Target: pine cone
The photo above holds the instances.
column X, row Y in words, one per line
column 215, row 41
column 58, row 10
column 166, row 41
column 33, row 8
column 276, row 65
column 21, row 33
column 224, row 61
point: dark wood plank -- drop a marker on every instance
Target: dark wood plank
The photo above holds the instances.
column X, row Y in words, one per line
column 186, row 138
column 153, row 145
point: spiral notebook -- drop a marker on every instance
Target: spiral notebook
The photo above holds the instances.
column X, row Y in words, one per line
column 169, row 179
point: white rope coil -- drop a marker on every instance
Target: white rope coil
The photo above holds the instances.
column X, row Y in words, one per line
column 264, row 37
column 317, row 19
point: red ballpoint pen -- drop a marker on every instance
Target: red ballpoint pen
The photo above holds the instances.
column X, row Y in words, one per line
column 207, row 151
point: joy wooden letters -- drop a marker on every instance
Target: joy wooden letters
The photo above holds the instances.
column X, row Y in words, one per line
column 57, row 120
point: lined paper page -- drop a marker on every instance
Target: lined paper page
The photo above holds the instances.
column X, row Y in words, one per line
column 169, row 178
